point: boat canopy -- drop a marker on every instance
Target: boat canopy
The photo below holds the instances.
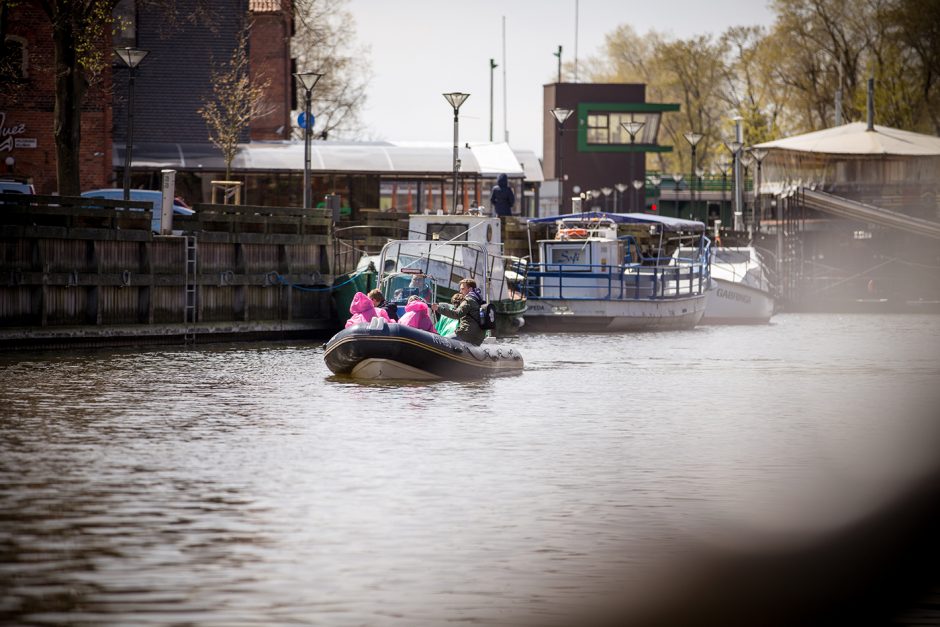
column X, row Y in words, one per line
column 666, row 223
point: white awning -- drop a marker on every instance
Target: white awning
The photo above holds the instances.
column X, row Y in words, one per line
column 391, row 158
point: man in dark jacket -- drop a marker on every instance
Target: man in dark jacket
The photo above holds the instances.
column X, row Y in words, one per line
column 502, row 198
column 467, row 313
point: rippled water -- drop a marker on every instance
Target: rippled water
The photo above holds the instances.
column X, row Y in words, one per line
column 245, row 485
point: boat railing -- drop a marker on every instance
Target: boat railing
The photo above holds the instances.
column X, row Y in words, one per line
column 670, row 280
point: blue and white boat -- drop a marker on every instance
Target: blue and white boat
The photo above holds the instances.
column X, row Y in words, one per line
column 618, row 272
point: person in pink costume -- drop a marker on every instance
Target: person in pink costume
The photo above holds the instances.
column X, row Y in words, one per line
column 363, row 310
column 416, row 315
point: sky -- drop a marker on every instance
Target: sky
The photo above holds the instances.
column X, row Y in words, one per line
column 421, row 49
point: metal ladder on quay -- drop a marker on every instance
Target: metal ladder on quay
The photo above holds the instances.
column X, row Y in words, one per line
column 189, row 308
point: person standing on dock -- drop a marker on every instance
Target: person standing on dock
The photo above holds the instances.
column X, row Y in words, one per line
column 502, row 197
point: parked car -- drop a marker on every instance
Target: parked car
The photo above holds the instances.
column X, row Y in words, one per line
column 13, row 186
column 142, row 195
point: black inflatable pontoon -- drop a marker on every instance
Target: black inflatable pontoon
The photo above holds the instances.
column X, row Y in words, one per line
column 383, row 350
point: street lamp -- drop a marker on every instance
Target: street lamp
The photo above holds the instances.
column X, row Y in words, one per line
column 678, row 179
column 131, row 58
column 632, row 128
column 621, row 187
column 700, row 181
column 655, row 181
column 638, row 185
column 493, row 66
column 455, row 99
column 560, row 116
column 595, row 194
column 308, row 80
column 746, row 160
column 693, row 138
column 734, row 147
column 607, row 192
column 758, row 154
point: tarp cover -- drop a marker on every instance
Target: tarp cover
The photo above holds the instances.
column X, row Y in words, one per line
column 668, row 224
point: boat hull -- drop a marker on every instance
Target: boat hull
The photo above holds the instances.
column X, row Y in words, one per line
column 735, row 303
column 437, row 356
column 614, row 315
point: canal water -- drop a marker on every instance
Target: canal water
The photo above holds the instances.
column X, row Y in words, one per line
column 245, row 485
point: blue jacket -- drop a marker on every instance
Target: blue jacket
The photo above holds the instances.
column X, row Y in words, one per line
column 502, row 198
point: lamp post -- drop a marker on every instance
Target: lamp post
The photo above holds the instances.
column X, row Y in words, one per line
column 595, row 194
column 493, row 66
column 560, row 114
column 308, row 80
column 558, row 54
column 655, row 181
column 734, row 147
column 678, row 179
column 638, row 185
column 131, row 57
column 746, row 160
column 455, row 99
column 700, row 182
column 693, row 138
column 621, row 187
column 607, row 192
column 758, row 154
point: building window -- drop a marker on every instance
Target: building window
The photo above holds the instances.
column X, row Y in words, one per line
column 605, row 128
column 14, row 60
column 598, row 130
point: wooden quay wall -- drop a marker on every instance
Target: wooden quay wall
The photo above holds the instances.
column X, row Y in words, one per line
column 80, row 271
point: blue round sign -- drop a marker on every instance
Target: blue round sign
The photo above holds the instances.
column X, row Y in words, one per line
column 302, row 120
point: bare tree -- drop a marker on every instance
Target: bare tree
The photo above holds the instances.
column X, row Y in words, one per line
column 233, row 102
column 321, row 44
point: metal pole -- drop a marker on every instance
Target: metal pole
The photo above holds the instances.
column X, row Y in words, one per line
column 736, row 181
column 493, row 66
column 561, row 168
column 129, row 148
column 454, row 209
column 307, row 129
column 692, row 191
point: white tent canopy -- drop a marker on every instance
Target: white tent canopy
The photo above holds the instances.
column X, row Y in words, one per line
column 855, row 139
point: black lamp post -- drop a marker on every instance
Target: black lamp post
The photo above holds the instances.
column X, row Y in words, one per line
column 678, row 179
column 131, row 57
column 455, row 99
column 561, row 115
column 621, row 187
column 655, row 181
column 693, row 138
column 308, row 81
column 638, row 185
column 607, row 191
column 734, row 147
column 493, row 66
column 758, row 154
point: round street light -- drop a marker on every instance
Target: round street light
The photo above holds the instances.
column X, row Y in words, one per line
column 131, row 57
column 621, row 187
column 561, row 114
column 455, row 99
column 308, row 80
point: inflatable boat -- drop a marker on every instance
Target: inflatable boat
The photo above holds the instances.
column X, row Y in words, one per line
column 382, row 350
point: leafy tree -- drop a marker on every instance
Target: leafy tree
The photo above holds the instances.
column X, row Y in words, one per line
column 235, row 100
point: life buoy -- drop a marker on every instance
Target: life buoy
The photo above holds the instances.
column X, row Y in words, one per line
column 569, row 233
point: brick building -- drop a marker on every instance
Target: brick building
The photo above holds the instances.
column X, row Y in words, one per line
column 27, row 101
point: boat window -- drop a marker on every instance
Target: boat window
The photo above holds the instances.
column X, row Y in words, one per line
column 732, row 256
column 570, row 254
column 446, row 232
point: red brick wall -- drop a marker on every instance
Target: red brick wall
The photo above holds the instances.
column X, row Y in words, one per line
column 29, row 105
column 270, row 60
